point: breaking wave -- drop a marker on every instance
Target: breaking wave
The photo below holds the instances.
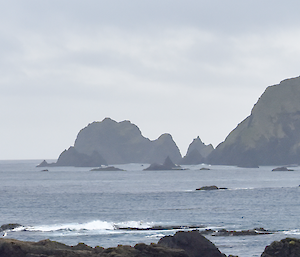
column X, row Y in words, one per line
column 100, row 227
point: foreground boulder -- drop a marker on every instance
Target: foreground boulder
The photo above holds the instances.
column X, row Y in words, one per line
column 193, row 243
column 182, row 244
column 288, row 247
column 16, row 248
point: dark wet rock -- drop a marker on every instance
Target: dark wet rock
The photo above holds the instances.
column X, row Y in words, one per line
column 251, row 232
column 185, row 245
column 288, row 247
column 167, row 165
column 208, row 188
column 205, row 168
column 44, row 248
column 270, row 135
column 160, row 227
column 142, row 250
column 193, row 243
column 9, row 226
column 108, row 168
column 282, row 169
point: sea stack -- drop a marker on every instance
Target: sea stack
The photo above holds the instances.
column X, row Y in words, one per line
column 197, row 152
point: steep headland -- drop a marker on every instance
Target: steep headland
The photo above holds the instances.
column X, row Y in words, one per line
column 111, row 142
column 270, row 135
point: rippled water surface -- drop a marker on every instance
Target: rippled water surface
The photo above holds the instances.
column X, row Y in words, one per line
column 74, row 205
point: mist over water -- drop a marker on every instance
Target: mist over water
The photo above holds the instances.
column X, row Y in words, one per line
column 108, row 208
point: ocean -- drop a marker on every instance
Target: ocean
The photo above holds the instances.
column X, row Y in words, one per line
column 107, row 208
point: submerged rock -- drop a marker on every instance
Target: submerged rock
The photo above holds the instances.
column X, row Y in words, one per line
column 108, row 168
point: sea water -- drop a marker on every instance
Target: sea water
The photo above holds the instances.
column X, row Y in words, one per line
column 107, row 208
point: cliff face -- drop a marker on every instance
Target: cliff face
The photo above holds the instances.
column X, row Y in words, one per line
column 270, row 135
column 111, row 142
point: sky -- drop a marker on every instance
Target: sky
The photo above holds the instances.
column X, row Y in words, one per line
column 189, row 68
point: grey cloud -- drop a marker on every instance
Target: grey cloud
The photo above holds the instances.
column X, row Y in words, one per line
column 181, row 65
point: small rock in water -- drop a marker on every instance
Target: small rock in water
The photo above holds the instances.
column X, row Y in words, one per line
column 208, row 188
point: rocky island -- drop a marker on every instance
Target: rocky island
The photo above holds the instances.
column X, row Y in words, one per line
column 268, row 136
column 110, row 142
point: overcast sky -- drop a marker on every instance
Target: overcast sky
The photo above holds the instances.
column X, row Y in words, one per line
column 188, row 68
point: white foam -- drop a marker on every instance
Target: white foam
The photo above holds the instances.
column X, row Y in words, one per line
column 134, row 224
column 156, row 236
column 292, row 232
column 92, row 226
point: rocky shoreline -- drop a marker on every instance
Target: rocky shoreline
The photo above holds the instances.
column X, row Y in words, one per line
column 182, row 244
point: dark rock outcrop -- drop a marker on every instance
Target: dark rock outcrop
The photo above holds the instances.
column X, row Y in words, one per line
column 167, row 165
column 182, row 244
column 270, row 135
column 204, row 168
column 193, row 243
column 251, row 232
column 10, row 226
column 16, row 248
column 44, row 248
column 288, row 247
column 111, row 142
column 208, row 188
column 197, row 152
column 282, row 169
